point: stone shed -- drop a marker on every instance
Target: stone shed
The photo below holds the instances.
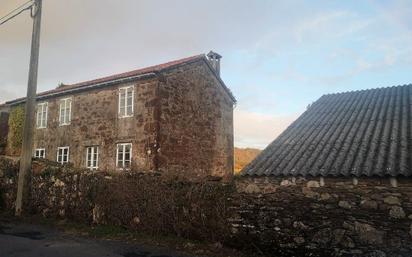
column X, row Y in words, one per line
column 176, row 117
column 338, row 178
column 363, row 133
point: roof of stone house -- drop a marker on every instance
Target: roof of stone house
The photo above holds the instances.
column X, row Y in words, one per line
column 61, row 89
column 359, row 133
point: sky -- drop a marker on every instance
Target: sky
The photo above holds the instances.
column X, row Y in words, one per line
column 278, row 56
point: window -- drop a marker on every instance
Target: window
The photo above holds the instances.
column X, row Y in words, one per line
column 41, row 118
column 92, row 157
column 40, row 153
column 126, row 102
column 124, row 155
column 63, row 155
column 65, row 114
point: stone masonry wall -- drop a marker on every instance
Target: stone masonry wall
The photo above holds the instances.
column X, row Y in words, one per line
column 196, row 117
column 274, row 217
column 146, row 202
column 95, row 122
column 339, row 218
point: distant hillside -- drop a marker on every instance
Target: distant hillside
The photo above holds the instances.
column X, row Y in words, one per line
column 243, row 156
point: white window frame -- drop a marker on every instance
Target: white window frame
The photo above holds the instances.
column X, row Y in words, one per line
column 41, row 116
column 58, row 153
column 67, row 117
column 123, row 145
column 126, row 95
column 94, row 153
column 38, row 151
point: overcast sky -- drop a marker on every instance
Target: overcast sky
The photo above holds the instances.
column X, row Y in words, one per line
column 278, row 56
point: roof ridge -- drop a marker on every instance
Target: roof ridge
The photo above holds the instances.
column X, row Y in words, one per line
column 367, row 89
column 125, row 75
column 156, row 67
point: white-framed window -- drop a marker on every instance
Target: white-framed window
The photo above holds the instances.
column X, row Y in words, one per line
column 92, row 157
column 124, row 155
column 63, row 154
column 65, row 111
column 41, row 117
column 40, row 153
column 126, row 98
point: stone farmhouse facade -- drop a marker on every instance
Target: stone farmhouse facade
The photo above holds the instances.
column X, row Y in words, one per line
column 175, row 117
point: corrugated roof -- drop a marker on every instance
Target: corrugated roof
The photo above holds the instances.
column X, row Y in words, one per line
column 359, row 133
column 125, row 75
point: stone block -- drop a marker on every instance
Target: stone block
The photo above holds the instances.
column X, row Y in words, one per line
column 286, row 182
column 322, row 237
column 345, row 205
column 301, row 226
column 313, row 183
column 325, row 196
column 397, row 212
column 269, row 188
column 299, row 240
column 392, row 200
column 376, row 253
column 368, row 234
column 252, row 189
column 309, row 193
column 369, row 204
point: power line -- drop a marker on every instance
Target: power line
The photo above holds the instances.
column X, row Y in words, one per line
column 17, row 8
column 6, row 18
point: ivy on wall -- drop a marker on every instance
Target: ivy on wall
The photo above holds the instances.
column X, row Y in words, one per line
column 16, row 121
column 3, row 130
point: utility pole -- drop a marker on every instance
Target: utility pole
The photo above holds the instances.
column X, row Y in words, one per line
column 23, row 186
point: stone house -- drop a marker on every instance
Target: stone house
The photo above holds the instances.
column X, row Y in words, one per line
column 175, row 117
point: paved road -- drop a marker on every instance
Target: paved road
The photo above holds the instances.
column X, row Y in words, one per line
column 23, row 240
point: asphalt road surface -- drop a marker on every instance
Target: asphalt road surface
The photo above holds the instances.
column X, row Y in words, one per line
column 24, row 240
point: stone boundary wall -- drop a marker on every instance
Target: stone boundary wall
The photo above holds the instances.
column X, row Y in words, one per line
column 147, row 202
column 336, row 217
column 275, row 217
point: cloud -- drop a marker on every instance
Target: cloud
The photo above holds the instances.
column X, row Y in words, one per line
column 257, row 130
column 278, row 56
column 82, row 40
column 8, row 93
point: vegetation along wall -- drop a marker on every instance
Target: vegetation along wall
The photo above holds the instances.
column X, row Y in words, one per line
column 15, row 130
column 4, row 130
column 274, row 217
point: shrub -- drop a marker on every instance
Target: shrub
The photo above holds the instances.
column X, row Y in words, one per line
column 162, row 206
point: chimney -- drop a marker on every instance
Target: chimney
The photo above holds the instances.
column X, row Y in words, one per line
column 214, row 59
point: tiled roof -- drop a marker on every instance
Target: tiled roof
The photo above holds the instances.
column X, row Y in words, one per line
column 125, row 75
column 149, row 69
column 360, row 133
